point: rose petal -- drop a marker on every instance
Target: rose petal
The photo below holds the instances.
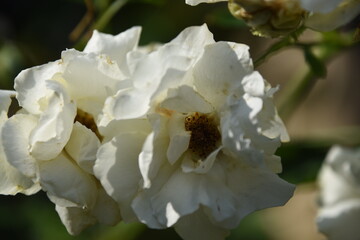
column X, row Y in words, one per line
column 30, row 85
column 82, row 147
column 322, row 6
column 153, row 155
column 340, row 221
column 92, row 77
column 75, row 219
column 185, row 99
column 63, row 180
column 200, row 227
column 118, row 171
column 341, row 15
column 116, row 47
column 179, row 138
column 15, row 141
column 106, row 210
column 53, row 130
column 217, row 71
column 196, row 2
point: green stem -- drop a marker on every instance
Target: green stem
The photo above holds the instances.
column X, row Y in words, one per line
column 102, row 22
column 109, row 14
column 301, row 87
column 289, row 40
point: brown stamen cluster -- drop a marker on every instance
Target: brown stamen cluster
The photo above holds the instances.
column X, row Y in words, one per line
column 204, row 134
column 88, row 121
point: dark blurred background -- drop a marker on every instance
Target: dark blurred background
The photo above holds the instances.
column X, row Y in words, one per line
column 34, row 32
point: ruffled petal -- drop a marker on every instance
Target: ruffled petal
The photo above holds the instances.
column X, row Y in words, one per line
column 106, row 209
column 341, row 15
column 30, row 85
column 179, row 138
column 54, row 127
column 12, row 181
column 91, row 77
column 322, row 6
column 153, row 155
column 340, row 221
column 196, row 2
column 183, row 194
column 5, row 101
column 185, row 99
column 118, row 171
column 198, row 226
column 116, row 47
column 15, row 141
column 192, row 164
column 83, row 146
column 66, row 184
column 75, row 219
column 217, row 71
column 256, row 189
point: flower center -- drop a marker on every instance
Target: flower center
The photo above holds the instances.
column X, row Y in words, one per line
column 204, row 134
column 88, row 121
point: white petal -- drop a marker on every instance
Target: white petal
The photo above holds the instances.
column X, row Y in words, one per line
column 341, row 15
column 339, row 176
column 5, row 101
column 15, row 140
column 62, row 179
column 196, row 2
column 30, row 85
column 192, row 40
column 198, row 226
column 115, row 127
column 54, row 127
column 116, row 47
column 12, row 181
column 82, row 147
column 118, row 171
column 340, row 221
column 179, row 138
column 254, row 84
column 191, row 164
column 183, row 193
column 322, row 6
column 185, row 99
column 75, row 219
column 256, row 189
column 90, row 76
column 142, row 204
column 127, row 104
column 106, row 209
column 217, row 71
column 153, row 153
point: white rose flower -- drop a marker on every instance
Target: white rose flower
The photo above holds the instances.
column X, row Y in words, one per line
column 12, row 181
column 275, row 18
column 339, row 181
column 193, row 139
column 54, row 139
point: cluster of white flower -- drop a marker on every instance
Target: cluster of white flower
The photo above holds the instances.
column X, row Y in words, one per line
column 339, row 181
column 279, row 17
column 180, row 135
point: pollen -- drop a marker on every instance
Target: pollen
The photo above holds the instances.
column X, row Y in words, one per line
column 88, row 121
column 205, row 135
